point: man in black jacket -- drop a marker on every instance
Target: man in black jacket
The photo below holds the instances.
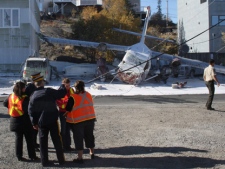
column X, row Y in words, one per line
column 30, row 88
column 44, row 114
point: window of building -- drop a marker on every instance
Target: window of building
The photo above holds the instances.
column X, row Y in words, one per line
column 15, row 18
column 202, row 1
column 222, row 18
column 216, row 19
column 9, row 18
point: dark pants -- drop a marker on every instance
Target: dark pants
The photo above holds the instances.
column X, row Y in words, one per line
column 35, row 133
column 56, row 139
column 65, row 131
column 83, row 132
column 211, row 88
column 19, row 143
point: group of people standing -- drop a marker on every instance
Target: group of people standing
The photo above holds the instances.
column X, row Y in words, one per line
column 35, row 108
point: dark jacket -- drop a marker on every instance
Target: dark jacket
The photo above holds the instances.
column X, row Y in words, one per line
column 20, row 123
column 42, row 106
column 30, row 88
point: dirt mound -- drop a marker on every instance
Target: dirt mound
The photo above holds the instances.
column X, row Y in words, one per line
column 58, row 29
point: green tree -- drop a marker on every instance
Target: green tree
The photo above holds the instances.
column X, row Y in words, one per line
column 158, row 19
column 183, row 48
column 223, row 37
column 159, row 12
column 161, row 46
column 97, row 26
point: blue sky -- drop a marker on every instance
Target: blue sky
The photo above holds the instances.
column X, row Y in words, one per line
column 172, row 7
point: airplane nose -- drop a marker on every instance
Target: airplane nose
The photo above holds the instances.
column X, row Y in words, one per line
column 129, row 77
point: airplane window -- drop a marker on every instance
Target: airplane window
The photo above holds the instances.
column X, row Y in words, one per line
column 133, row 59
column 146, row 66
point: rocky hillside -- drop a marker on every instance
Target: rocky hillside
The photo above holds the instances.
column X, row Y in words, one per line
column 58, row 29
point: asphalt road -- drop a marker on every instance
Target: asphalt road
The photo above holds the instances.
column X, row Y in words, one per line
column 143, row 132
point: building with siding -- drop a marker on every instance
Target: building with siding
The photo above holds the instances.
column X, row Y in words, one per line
column 19, row 20
column 44, row 5
column 196, row 16
column 65, row 6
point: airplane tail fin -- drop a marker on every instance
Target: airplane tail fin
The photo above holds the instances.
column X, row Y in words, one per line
column 148, row 14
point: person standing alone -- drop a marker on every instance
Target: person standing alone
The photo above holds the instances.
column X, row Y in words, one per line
column 209, row 77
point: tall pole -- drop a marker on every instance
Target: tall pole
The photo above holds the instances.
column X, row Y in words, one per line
column 167, row 13
column 213, row 37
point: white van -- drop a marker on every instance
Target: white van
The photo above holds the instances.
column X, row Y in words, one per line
column 34, row 65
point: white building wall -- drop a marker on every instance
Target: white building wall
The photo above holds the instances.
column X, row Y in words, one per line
column 197, row 17
column 18, row 43
column 136, row 5
column 217, row 9
column 194, row 17
column 88, row 2
column 43, row 5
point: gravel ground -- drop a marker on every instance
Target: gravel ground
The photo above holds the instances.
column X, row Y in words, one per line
column 142, row 132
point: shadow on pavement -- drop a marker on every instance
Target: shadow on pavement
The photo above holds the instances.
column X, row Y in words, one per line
column 134, row 150
column 161, row 99
column 4, row 115
column 123, row 158
column 166, row 162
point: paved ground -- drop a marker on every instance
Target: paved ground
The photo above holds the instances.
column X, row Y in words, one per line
column 143, row 132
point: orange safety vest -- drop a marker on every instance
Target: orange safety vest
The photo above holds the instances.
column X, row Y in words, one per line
column 15, row 105
column 82, row 109
column 63, row 101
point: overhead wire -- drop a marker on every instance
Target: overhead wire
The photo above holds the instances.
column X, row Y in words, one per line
column 201, row 11
column 206, row 40
column 158, row 54
column 198, row 14
column 162, row 52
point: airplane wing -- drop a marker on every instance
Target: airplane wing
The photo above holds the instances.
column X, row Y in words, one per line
column 147, row 36
column 191, row 62
column 101, row 46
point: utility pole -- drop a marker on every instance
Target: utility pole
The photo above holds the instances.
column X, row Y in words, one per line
column 213, row 37
column 167, row 13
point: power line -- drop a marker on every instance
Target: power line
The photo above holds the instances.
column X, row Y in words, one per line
column 157, row 55
column 201, row 11
column 205, row 41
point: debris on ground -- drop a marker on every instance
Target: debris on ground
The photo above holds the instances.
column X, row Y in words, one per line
column 178, row 85
column 96, row 86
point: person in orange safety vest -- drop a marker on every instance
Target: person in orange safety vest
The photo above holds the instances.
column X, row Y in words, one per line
column 65, row 130
column 20, row 123
column 81, row 118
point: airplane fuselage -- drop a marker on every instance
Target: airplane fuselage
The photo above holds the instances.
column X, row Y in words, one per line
column 136, row 64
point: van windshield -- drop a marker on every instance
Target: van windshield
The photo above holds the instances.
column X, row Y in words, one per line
column 35, row 64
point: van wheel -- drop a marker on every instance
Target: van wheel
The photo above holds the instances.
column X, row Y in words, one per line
column 175, row 75
column 51, row 74
column 192, row 73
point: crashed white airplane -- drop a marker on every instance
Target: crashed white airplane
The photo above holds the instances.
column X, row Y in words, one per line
column 136, row 62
